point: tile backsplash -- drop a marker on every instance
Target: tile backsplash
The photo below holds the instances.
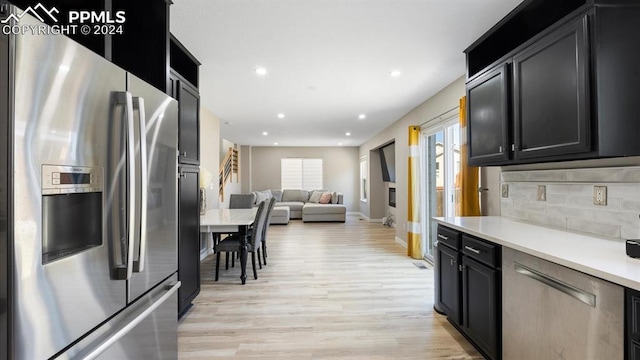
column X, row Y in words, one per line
column 569, row 200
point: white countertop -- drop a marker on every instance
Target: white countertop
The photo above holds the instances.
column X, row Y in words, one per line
column 600, row 257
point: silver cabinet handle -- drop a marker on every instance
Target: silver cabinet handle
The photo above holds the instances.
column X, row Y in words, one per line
column 580, row 295
column 472, row 249
column 138, row 264
column 500, row 149
column 172, row 288
column 442, row 237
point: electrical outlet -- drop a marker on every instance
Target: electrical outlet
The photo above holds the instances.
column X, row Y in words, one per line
column 542, row 193
column 505, row 190
column 599, row 195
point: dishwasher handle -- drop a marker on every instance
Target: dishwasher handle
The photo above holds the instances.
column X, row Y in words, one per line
column 580, row 295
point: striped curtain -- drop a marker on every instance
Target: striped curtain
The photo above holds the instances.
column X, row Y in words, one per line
column 469, row 176
column 414, row 248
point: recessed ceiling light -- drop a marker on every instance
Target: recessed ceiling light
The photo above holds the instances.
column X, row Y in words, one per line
column 362, row 116
column 348, row 133
column 339, row 144
column 265, row 133
column 395, row 73
column 281, row 116
column 275, row 143
column 261, row 71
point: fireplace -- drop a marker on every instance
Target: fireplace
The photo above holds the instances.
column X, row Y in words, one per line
column 392, row 197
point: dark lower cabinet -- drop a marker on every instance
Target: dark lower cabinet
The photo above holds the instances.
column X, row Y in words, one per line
column 468, row 277
column 479, row 306
column 188, row 237
column 449, row 280
column 632, row 324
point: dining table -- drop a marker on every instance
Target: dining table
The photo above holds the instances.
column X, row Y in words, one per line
column 225, row 221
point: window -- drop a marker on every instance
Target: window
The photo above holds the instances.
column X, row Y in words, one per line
column 363, row 179
column 301, row 174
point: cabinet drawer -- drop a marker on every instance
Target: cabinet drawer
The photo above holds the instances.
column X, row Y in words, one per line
column 449, row 237
column 481, row 250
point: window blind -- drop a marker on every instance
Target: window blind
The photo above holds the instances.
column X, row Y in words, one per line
column 297, row 173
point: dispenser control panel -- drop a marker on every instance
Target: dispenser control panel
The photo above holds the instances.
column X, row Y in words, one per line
column 62, row 179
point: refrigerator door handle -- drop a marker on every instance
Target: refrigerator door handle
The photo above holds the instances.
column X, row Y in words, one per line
column 171, row 289
column 138, row 264
column 123, row 251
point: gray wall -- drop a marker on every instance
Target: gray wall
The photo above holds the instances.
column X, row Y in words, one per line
column 445, row 100
column 341, row 167
column 209, row 155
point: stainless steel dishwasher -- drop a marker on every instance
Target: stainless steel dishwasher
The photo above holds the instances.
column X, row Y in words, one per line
column 553, row 312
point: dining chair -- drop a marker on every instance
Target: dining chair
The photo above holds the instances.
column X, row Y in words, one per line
column 241, row 201
column 265, row 229
column 231, row 244
column 236, row 201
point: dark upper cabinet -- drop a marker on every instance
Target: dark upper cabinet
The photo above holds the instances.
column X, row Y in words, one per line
column 573, row 87
column 551, row 94
column 188, row 124
column 188, row 237
column 488, row 116
column 143, row 46
column 183, row 86
column 449, row 282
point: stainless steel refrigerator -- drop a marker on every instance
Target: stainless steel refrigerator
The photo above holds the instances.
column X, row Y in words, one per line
column 88, row 205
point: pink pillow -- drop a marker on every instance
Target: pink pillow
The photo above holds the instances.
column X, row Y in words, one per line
column 325, row 198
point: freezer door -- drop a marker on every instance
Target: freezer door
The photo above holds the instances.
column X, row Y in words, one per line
column 155, row 249
column 65, row 112
column 145, row 330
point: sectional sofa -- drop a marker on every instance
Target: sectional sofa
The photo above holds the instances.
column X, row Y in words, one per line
column 310, row 206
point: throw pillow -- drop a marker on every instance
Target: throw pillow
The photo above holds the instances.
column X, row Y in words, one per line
column 277, row 194
column 262, row 196
column 325, row 198
column 315, row 197
column 334, row 197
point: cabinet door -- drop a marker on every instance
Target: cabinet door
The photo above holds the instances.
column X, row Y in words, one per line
column 188, row 124
column 188, row 238
column 449, row 282
column 488, row 117
column 551, row 94
column 479, row 306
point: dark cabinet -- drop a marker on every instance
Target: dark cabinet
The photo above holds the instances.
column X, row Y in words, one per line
column 469, row 288
column 183, row 86
column 570, row 62
column 188, row 124
column 488, row 116
column 188, row 237
column 551, row 94
column 479, row 306
column 632, row 324
column 449, row 280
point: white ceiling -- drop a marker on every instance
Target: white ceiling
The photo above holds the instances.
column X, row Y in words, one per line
column 327, row 62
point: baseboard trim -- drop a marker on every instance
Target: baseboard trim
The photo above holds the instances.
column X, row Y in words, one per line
column 401, row 242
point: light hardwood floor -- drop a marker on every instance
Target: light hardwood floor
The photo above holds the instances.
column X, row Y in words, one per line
column 329, row 291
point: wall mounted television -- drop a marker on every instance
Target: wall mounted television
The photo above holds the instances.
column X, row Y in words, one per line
column 388, row 162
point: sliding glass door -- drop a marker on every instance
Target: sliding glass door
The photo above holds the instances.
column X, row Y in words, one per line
column 440, row 145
